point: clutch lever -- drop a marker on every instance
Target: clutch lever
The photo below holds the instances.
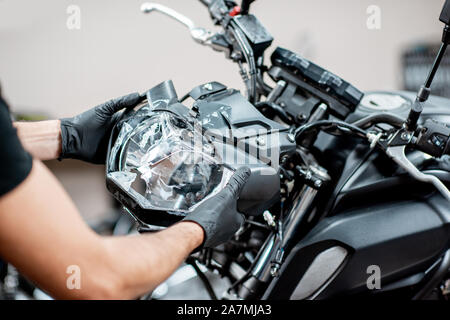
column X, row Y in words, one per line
column 395, row 149
column 397, row 154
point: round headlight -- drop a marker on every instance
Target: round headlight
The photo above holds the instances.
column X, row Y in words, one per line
column 163, row 162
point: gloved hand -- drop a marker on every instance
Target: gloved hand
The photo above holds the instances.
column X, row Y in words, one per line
column 218, row 216
column 85, row 136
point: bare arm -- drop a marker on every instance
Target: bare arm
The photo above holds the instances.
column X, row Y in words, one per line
column 42, row 234
column 81, row 137
column 41, row 139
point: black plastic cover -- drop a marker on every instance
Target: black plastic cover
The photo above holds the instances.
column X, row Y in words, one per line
column 257, row 35
column 236, row 126
column 205, row 90
column 445, row 14
column 402, row 238
column 318, row 77
column 164, row 93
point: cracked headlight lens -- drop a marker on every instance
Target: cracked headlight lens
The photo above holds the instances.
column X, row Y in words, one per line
column 163, row 162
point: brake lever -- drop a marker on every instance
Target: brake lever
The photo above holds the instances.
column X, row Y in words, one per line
column 397, row 154
column 200, row 35
column 395, row 149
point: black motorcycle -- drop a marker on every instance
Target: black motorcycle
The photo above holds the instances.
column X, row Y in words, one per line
column 348, row 195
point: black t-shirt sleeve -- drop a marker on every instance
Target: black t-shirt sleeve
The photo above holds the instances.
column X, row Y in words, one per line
column 15, row 162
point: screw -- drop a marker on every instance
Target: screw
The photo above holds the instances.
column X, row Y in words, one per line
column 405, row 136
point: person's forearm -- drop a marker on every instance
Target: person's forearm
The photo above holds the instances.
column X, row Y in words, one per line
column 41, row 139
column 144, row 261
column 53, row 237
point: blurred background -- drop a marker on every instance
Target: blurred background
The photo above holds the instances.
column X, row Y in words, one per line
column 48, row 70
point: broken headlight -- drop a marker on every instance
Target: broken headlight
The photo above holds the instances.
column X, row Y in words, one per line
column 160, row 166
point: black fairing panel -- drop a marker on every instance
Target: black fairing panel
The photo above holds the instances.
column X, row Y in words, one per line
column 402, row 238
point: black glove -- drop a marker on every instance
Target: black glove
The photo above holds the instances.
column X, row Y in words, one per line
column 218, row 216
column 85, row 136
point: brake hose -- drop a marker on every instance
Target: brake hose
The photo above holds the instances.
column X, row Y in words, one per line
column 202, row 278
column 329, row 124
column 376, row 118
column 249, row 58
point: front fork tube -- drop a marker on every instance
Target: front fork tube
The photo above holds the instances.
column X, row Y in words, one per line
column 274, row 251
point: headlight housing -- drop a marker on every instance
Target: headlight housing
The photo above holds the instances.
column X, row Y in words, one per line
column 161, row 167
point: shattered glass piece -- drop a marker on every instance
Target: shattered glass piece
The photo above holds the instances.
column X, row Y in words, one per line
column 125, row 179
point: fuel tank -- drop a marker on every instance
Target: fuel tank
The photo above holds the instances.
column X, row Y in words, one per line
column 399, row 103
column 376, row 217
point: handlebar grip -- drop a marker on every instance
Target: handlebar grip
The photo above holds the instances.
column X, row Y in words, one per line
column 434, row 139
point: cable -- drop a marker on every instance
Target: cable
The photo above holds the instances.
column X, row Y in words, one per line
column 247, row 51
column 203, row 278
column 248, row 274
column 276, row 108
column 327, row 125
column 377, row 118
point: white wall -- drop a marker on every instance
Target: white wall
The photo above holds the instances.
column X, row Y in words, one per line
column 45, row 66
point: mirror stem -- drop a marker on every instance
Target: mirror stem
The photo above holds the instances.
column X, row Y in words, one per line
column 425, row 90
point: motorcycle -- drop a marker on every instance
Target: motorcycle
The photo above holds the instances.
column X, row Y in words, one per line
column 348, row 195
